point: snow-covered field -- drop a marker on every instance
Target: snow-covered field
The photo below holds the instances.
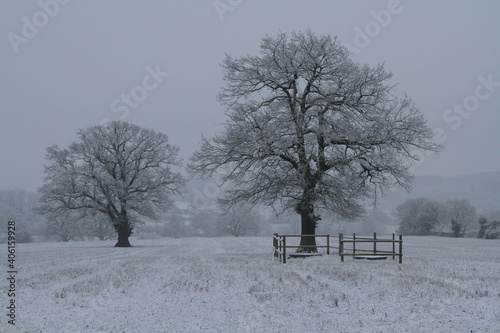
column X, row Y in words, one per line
column 234, row 285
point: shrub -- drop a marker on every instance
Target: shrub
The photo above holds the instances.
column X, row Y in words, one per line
column 488, row 230
column 24, row 237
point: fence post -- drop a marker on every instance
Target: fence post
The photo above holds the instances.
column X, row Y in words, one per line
column 393, row 246
column 341, row 247
column 281, row 248
column 400, row 249
column 328, row 244
column 275, row 245
column 354, row 243
column 375, row 242
column 284, row 249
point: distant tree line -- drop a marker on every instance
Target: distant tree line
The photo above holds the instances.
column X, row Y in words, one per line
column 458, row 218
column 72, row 226
column 22, row 206
column 236, row 221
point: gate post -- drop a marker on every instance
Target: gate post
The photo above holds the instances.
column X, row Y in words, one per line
column 284, row 249
column 354, row 243
column 275, row 245
column 400, row 249
column 328, row 244
column 341, row 247
column 393, row 246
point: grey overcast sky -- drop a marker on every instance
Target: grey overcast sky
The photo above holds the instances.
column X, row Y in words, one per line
column 67, row 65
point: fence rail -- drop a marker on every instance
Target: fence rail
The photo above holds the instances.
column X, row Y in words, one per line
column 280, row 246
column 372, row 252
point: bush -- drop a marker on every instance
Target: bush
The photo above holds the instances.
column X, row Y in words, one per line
column 488, row 230
column 24, row 237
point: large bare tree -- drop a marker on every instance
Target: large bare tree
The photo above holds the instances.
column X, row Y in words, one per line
column 120, row 170
column 312, row 130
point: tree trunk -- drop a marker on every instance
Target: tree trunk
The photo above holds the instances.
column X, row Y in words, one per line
column 308, row 243
column 124, row 231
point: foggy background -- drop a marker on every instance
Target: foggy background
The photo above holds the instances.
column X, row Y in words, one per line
column 74, row 69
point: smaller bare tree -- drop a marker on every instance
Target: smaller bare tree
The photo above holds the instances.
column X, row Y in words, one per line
column 461, row 215
column 239, row 221
column 120, row 170
column 419, row 216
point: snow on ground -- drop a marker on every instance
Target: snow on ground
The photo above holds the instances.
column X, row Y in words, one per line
column 234, row 285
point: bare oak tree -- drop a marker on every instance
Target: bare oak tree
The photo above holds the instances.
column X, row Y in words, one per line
column 120, row 170
column 311, row 130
